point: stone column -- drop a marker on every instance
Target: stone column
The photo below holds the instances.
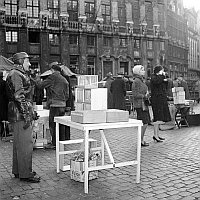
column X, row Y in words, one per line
column 64, row 45
column 83, row 53
column 44, row 49
column 115, row 19
column 129, row 18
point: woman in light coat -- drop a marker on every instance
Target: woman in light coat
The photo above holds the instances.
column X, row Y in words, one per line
column 140, row 93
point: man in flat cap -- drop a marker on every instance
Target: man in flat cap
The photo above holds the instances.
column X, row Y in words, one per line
column 58, row 86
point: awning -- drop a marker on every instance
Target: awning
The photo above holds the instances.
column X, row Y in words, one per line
column 5, row 64
column 65, row 69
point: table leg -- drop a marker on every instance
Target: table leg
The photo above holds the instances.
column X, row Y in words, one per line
column 138, row 153
column 57, row 148
column 86, row 135
column 102, row 150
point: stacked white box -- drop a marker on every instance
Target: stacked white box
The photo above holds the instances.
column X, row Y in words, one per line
column 90, row 98
column 87, row 81
column 178, row 95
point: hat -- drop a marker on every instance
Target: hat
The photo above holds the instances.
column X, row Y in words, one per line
column 1, row 73
column 136, row 69
column 20, row 55
column 109, row 74
column 53, row 64
column 157, row 69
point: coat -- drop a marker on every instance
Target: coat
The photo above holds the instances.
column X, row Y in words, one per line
column 20, row 94
column 159, row 98
column 109, row 94
column 3, row 101
column 118, row 91
column 139, row 90
column 58, row 87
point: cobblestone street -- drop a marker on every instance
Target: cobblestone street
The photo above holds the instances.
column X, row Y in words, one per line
column 169, row 170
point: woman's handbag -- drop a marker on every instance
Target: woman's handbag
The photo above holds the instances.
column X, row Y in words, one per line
column 144, row 105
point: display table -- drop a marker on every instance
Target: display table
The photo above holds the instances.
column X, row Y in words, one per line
column 86, row 128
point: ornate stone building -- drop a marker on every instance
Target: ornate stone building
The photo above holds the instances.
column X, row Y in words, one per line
column 193, row 40
column 177, row 52
column 95, row 36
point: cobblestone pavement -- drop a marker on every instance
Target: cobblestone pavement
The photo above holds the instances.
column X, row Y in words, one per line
column 169, row 170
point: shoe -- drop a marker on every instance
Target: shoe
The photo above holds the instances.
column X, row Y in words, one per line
column 145, row 144
column 16, row 175
column 31, row 179
column 161, row 138
column 157, row 140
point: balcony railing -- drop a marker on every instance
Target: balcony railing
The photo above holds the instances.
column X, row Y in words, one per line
column 107, row 28
column 73, row 25
column 12, row 20
column 122, row 29
column 54, row 23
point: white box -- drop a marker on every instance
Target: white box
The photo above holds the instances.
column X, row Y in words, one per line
column 38, row 107
column 89, row 116
column 176, row 89
column 115, row 115
column 40, row 143
column 96, row 97
column 77, row 170
column 79, row 106
column 87, row 81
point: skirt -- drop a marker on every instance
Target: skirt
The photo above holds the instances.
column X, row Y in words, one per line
column 143, row 115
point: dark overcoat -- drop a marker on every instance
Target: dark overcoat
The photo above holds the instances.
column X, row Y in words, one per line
column 159, row 98
column 3, row 101
column 118, row 91
column 109, row 94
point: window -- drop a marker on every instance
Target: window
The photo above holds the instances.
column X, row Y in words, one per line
column 106, row 13
column 72, row 8
column 91, row 41
column 34, row 37
column 149, row 44
column 74, row 64
column 73, row 39
column 123, row 42
column 53, row 8
column 162, row 46
column 54, row 39
column 136, row 44
column 89, row 12
column 90, row 66
column 107, row 41
column 11, row 7
column 11, row 36
column 33, row 8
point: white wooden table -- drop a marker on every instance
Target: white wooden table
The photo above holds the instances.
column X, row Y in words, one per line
column 86, row 128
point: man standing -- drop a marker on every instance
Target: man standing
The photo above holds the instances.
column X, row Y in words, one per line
column 118, row 90
column 20, row 114
column 59, row 89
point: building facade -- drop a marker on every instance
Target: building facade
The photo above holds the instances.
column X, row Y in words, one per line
column 193, row 39
column 177, row 52
column 96, row 36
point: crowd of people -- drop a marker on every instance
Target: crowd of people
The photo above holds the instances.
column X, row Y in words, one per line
column 21, row 88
